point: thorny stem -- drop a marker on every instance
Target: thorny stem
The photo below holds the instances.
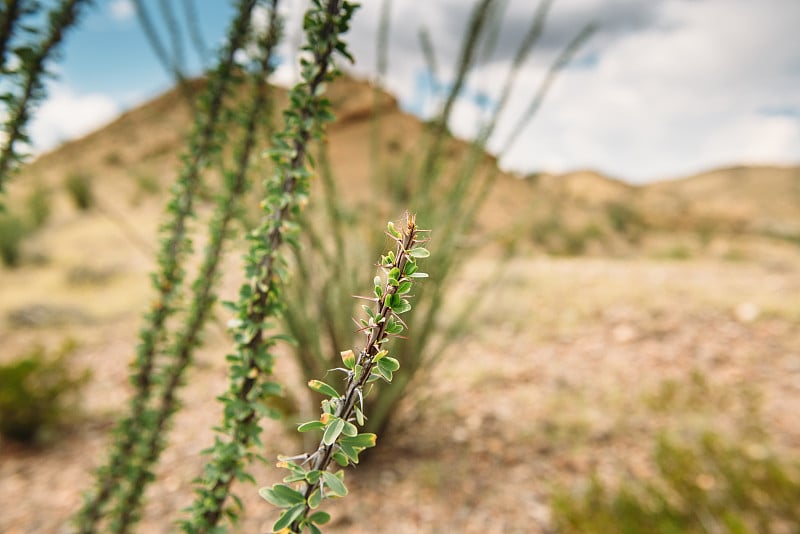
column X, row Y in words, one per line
column 170, row 277
column 265, row 285
column 172, row 65
column 8, row 20
column 203, row 299
column 60, row 19
column 354, row 390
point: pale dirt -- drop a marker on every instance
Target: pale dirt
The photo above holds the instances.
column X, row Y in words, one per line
column 551, row 386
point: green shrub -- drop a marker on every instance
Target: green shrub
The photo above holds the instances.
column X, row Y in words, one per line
column 556, row 238
column 79, row 187
column 148, row 184
column 38, row 205
column 677, row 252
column 37, row 393
column 625, row 220
column 12, row 232
column 707, row 485
column 113, row 159
column 319, row 305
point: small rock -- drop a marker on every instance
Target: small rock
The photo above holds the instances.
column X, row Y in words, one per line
column 624, row 333
column 45, row 315
column 792, row 363
column 746, row 312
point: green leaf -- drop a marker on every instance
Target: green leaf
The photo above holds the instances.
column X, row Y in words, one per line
column 334, row 483
column 348, row 358
column 359, row 416
column 349, row 429
column 288, row 516
column 314, row 529
column 282, row 496
column 320, row 518
column 321, row 387
column 395, row 328
column 392, row 229
column 350, row 452
column 340, row 458
column 290, row 465
column 383, row 372
column 333, row 430
column 315, row 499
column 400, row 305
column 365, row 440
column 311, row 425
column 418, row 275
column 404, row 287
column 294, row 478
column 389, row 363
column 419, row 252
column 312, row 477
column 284, row 337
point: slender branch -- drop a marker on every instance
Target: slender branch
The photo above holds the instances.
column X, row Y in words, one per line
column 560, row 62
column 203, row 299
column 340, row 440
column 175, row 37
column 466, row 60
column 354, row 389
column 60, row 19
column 190, row 14
column 259, row 300
column 167, row 282
column 171, row 65
column 9, row 15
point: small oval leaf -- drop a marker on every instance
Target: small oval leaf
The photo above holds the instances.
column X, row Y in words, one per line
column 334, row 484
column 311, row 425
column 332, row 431
column 288, row 517
column 321, row 387
column 282, row 496
column 320, row 518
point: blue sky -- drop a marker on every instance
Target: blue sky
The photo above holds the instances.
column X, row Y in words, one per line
column 664, row 88
column 110, row 54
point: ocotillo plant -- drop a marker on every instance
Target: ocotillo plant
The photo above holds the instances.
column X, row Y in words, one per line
column 173, row 63
column 318, row 295
column 186, row 340
column 203, row 144
column 260, row 298
column 342, row 413
column 33, row 62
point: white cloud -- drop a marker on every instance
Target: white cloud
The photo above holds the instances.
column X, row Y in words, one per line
column 667, row 87
column 65, row 115
column 122, row 9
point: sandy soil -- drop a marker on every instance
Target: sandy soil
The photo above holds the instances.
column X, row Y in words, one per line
column 555, row 383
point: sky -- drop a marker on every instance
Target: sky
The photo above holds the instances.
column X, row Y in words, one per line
column 662, row 89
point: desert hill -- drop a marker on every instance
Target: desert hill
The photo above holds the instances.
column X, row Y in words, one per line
column 144, row 143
